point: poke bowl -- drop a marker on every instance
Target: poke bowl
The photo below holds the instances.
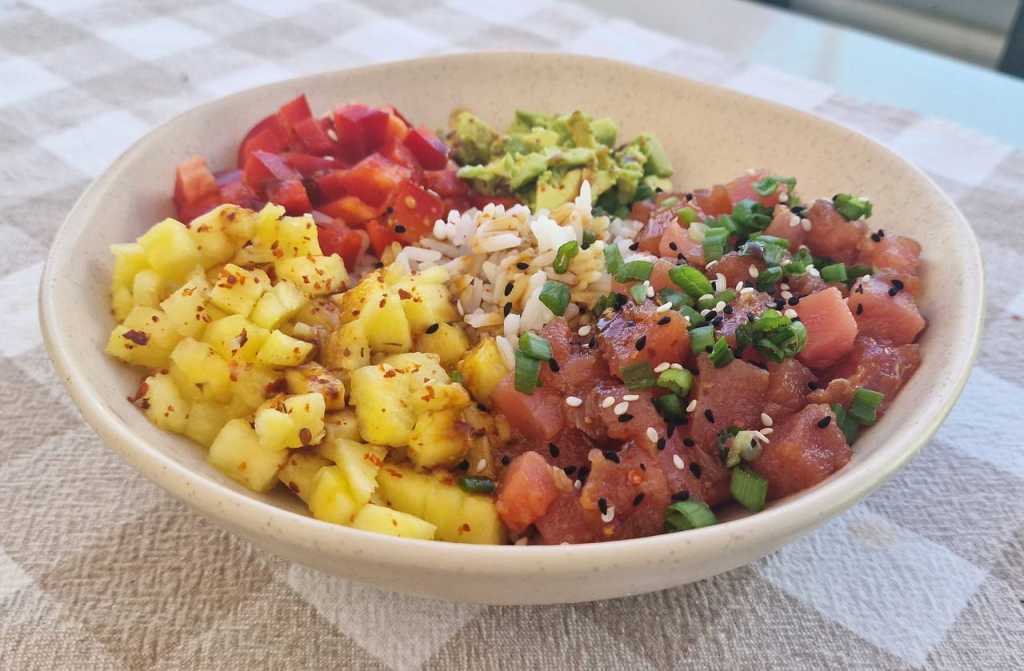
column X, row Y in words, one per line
column 538, row 347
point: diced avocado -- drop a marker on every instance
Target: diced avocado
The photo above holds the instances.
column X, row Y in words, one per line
column 655, row 183
column 600, row 181
column 554, row 189
column 627, row 180
column 605, row 130
column 579, row 129
column 657, row 160
column 471, row 138
column 526, row 121
column 526, row 169
column 572, row 157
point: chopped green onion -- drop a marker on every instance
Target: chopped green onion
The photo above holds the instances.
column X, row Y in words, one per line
column 635, row 271
column 686, row 515
column 478, row 485
column 714, row 244
column 456, row 376
column 555, row 296
column 851, row 207
column 638, row 376
column 768, row 185
column 687, row 214
column 800, row 262
column 726, row 296
column 678, row 381
column 671, row 408
column 846, row 424
column 613, row 259
column 535, row 346
column 639, row 293
column 864, row 407
column 744, row 446
column 564, row 255
column 773, row 334
column 772, row 249
column 690, row 280
column 669, row 202
column 857, row 271
column 768, row 277
column 613, row 301
column 694, row 317
column 834, row 273
column 750, row 217
column 706, row 302
column 721, row 355
column 588, row 239
column 702, row 338
column 527, row 375
column 748, row 488
column 677, row 298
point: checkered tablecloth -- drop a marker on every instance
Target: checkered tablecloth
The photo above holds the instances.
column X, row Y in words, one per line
column 99, row 569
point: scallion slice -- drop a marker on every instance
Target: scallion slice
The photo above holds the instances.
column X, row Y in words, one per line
column 478, row 485
column 690, row 280
column 744, row 446
column 846, row 424
column 671, row 408
column 678, row 381
column 701, row 338
column 564, row 255
column 768, row 277
column 693, row 316
column 834, row 273
column 613, row 259
column 864, row 407
column 721, row 354
column 639, row 293
column 750, row 217
column 800, row 262
column 535, row 346
column 851, row 207
column 639, row 375
column 677, row 298
column 555, row 296
column 706, row 302
column 686, row 515
column 687, row 214
column 715, row 240
column 768, row 185
column 857, row 271
column 527, row 375
column 635, row 271
column 588, row 239
column 748, row 488
column 669, row 202
column 456, row 376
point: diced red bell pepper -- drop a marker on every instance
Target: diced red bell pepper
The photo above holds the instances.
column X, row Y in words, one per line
column 193, row 182
column 262, row 167
column 240, row 194
column 329, row 185
column 396, row 129
column 337, row 238
column 307, row 164
column 480, row 200
column 360, row 129
column 189, row 211
column 295, row 110
column 310, row 132
column 414, row 211
column 374, row 179
column 351, row 210
column 396, row 152
column 445, row 183
column 381, row 236
column 270, row 134
column 427, row 148
column 290, row 194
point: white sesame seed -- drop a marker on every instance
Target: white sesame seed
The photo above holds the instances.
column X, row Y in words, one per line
column 747, row 290
column 760, row 436
column 767, row 430
column 753, row 271
column 739, row 286
column 794, row 220
column 706, row 297
column 584, row 330
column 691, row 406
column 813, row 272
column 687, row 320
column 677, row 366
column 462, row 310
column 720, row 282
column 664, row 307
column 791, row 313
column 523, row 541
column 577, row 484
column 806, row 224
column 573, row 401
column 719, row 306
column 608, row 402
column 621, row 408
column 766, row 419
column 677, row 461
column 631, row 397
column 783, row 197
column 481, row 465
column 710, row 265
column 609, row 515
column 784, row 286
column 787, row 295
column 662, row 367
column 652, row 434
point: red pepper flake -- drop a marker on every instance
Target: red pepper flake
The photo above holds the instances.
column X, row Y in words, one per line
column 140, row 338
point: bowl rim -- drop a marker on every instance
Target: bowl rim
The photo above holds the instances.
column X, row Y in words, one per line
column 790, row 517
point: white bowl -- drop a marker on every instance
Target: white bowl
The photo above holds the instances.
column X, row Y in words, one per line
column 711, row 135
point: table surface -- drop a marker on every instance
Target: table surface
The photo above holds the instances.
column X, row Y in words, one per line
column 99, row 569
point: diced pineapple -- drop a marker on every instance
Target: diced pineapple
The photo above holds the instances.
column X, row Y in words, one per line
column 283, row 350
column 439, row 438
column 298, row 472
column 405, row 489
column 170, row 250
column 235, row 338
column 380, row 395
column 429, row 385
column 307, row 411
column 275, row 429
column 163, row 403
column 313, row 275
column 482, row 369
column 387, row 328
column 266, row 225
column 425, row 303
column 254, row 383
column 297, row 421
column 359, row 462
column 347, row 348
column 211, row 239
column 129, row 259
column 148, row 288
column 205, row 420
column 297, row 236
column 312, row 377
column 277, row 305
column 383, row 520
column 341, row 425
column 187, row 307
column 236, row 452
column 145, row 338
column 352, row 302
column 448, row 341
column 238, row 222
column 319, row 311
column 236, row 290
column 331, row 499
column 122, row 301
column 203, row 368
column 480, row 522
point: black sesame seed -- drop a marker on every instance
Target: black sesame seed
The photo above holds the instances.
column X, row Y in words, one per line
column 893, row 291
column 433, row 328
column 875, row 237
column 509, row 287
column 641, row 342
column 673, row 246
column 602, row 505
column 584, row 473
column 635, row 246
column 860, row 308
column 812, row 385
column 506, row 460
column 399, row 228
column 378, row 264
column 482, row 408
column 553, row 450
column 695, row 469
column 553, row 365
column 710, row 315
column 664, row 320
column 522, row 266
column 661, row 444
column 898, row 284
column 612, row 456
column 727, row 310
column 680, row 256
column 682, row 495
column 507, row 309
column 717, row 321
column 793, row 300
column 593, row 342
column 625, row 417
column 824, row 421
column 569, row 470
column 462, row 465
column 709, row 349
column 710, row 416
column 780, row 303
column 689, row 442
column 638, row 499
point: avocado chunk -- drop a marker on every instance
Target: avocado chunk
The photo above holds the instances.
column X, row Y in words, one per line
column 657, row 160
column 604, row 130
column 526, row 168
column 470, row 138
column 553, row 190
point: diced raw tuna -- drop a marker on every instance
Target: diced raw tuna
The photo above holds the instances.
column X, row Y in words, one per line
column 831, row 235
column 806, row 284
column 703, row 477
column 742, row 188
column 639, row 333
column 895, row 253
column 786, row 225
column 736, row 268
column 526, row 491
column 745, row 304
column 787, row 388
column 831, row 328
column 714, row 201
column 871, row 364
column 659, row 276
column 732, row 395
column 634, row 492
column 569, row 449
column 804, row 450
column 676, row 244
column 599, row 421
column 576, row 366
column 649, row 238
column 567, row 522
column 537, row 416
column 884, row 311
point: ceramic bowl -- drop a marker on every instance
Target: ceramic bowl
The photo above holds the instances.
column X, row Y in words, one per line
column 711, row 135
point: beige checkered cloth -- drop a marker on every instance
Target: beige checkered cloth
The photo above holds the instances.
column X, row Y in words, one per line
column 99, row 569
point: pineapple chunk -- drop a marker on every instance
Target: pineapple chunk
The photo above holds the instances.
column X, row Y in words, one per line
column 425, row 302
column 283, row 350
column 382, row 399
column 235, row 338
column 383, row 520
column 237, row 222
column 439, row 438
column 205, row 420
column 213, row 243
column 387, row 328
column 170, row 250
column 314, row 275
column 330, row 499
column 482, row 369
column 340, row 425
column 163, row 403
column 236, row 290
column 352, row 302
column 129, row 259
column 319, row 311
column 298, row 472
column 148, row 288
column 236, row 452
column 312, row 377
column 347, row 348
column 295, row 422
column 146, row 338
column 359, row 462
column 277, row 305
column 122, row 302
column 459, row 516
column 187, row 307
column 203, row 368
column 297, row 236
column 448, row 341
column 254, row 383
